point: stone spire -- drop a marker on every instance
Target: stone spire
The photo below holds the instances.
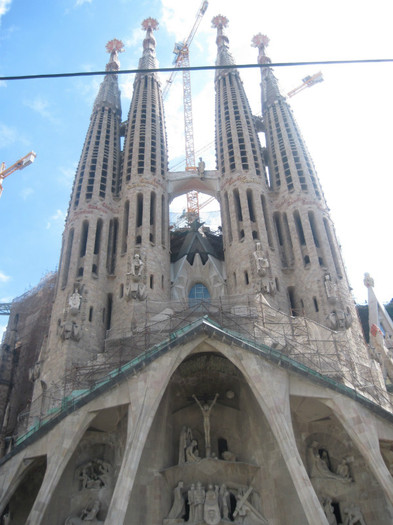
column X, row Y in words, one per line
column 224, row 57
column 81, row 308
column 270, row 89
column 148, row 59
column 109, row 94
column 242, row 175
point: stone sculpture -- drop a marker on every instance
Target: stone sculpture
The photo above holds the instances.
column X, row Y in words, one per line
column 261, row 262
column 192, row 453
column 74, row 302
column 331, row 289
column 199, row 501
column 354, row 516
column 319, row 466
column 201, row 167
column 137, row 265
column 211, row 511
column 88, row 515
column 213, row 506
column 206, row 410
column 343, row 470
column 94, row 475
column 179, row 505
column 329, row 511
column 185, row 440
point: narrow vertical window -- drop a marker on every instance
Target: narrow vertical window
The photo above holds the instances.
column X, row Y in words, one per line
column 139, row 213
column 109, row 302
column 67, row 259
column 228, row 217
column 151, row 281
column 332, row 248
column 126, row 216
column 83, row 244
column 152, row 236
column 292, row 301
column 97, row 245
column 250, row 206
column 314, row 229
column 163, row 222
column 112, row 245
column 267, row 222
column 299, row 228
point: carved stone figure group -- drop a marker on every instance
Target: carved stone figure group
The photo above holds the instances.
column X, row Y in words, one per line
column 214, row 503
column 88, row 515
column 94, row 474
column 320, row 467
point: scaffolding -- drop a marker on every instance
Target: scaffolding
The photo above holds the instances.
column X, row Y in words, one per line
column 338, row 359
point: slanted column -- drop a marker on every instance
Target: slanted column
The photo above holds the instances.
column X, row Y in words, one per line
column 363, row 432
column 271, row 388
column 61, row 445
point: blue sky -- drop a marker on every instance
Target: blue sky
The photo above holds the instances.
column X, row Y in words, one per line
column 346, row 120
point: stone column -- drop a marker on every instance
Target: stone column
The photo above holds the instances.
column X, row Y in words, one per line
column 362, row 429
column 271, row 388
column 62, row 442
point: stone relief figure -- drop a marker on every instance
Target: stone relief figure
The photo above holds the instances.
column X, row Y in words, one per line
column 329, row 511
column 227, row 455
column 88, row 515
column 206, row 410
column 135, row 288
column 331, row 289
column 94, row 475
column 245, row 513
column 70, row 330
column 319, row 466
column 74, row 302
column 211, row 511
column 137, row 265
column 213, row 506
column 191, row 504
column 184, row 441
column 201, row 167
column 354, row 516
column 224, row 502
column 199, row 501
column 192, row 453
column 261, row 261
column 343, row 469
column 339, row 320
column 178, row 508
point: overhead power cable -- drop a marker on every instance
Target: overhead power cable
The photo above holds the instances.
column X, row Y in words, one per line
column 199, row 68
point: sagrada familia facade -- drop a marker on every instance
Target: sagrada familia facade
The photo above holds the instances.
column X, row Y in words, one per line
column 189, row 376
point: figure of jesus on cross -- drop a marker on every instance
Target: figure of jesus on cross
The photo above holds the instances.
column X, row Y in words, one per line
column 206, row 409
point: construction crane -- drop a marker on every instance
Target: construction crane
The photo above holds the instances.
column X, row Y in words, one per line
column 182, row 59
column 19, row 165
column 307, row 82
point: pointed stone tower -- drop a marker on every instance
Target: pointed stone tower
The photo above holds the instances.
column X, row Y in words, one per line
column 81, row 312
column 142, row 267
column 312, row 273
column 243, row 183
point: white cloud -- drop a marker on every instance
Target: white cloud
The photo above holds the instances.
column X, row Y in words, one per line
column 4, row 278
column 55, row 218
column 41, row 106
column 8, row 135
column 67, row 175
column 78, row 3
column 4, row 6
column 26, row 192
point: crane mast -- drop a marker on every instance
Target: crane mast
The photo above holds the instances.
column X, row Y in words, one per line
column 182, row 59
